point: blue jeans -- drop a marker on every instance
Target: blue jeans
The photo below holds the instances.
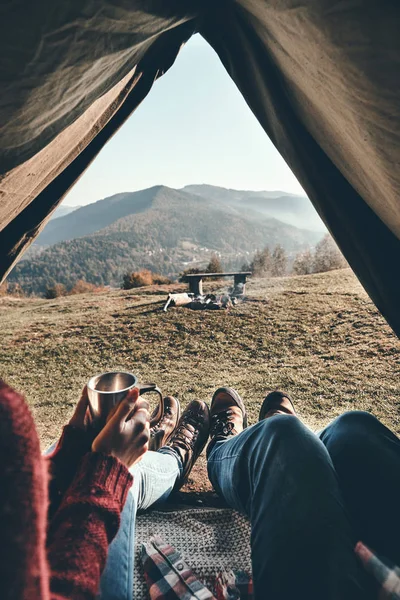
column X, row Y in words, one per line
column 310, row 499
column 154, row 478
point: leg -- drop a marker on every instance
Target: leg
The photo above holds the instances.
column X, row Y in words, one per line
column 280, row 475
column 154, row 478
column 366, row 457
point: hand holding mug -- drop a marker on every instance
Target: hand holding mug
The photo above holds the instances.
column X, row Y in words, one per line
column 81, row 419
column 127, row 432
column 105, row 392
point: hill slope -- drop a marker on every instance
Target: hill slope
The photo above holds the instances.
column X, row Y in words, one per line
column 290, row 208
column 317, row 336
column 91, row 218
column 61, row 211
column 160, row 228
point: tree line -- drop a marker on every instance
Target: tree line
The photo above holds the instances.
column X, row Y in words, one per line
column 268, row 262
column 276, row 263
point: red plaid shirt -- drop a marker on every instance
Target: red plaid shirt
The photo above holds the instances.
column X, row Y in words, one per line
column 169, row 577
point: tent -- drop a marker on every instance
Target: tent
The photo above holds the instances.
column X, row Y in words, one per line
column 321, row 76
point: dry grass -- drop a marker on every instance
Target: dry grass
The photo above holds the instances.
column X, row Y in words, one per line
column 317, row 336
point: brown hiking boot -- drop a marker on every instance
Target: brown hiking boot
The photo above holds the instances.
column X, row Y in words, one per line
column 228, row 415
column 276, row 403
column 163, row 422
column 190, row 436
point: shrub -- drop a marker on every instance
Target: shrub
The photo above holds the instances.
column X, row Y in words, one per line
column 55, row 291
column 327, row 256
column 159, row 279
column 11, row 289
column 261, row 264
column 84, row 287
column 303, row 263
column 143, row 278
column 137, row 279
column 214, row 266
column 278, row 262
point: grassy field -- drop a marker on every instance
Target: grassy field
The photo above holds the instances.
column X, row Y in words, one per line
column 317, row 336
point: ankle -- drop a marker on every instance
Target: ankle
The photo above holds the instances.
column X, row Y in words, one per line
column 176, row 454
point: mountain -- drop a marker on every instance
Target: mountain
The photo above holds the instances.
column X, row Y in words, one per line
column 37, row 248
column 220, row 194
column 290, row 208
column 91, row 218
column 159, row 228
column 61, row 211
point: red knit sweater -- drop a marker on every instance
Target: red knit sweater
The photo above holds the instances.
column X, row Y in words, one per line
column 62, row 559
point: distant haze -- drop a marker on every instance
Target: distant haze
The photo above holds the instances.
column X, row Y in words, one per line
column 294, row 209
column 63, row 210
column 287, row 208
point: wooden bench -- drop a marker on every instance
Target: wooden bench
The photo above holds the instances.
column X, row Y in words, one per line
column 195, row 281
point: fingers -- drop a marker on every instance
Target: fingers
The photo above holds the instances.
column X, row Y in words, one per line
column 126, row 406
column 83, row 403
column 141, row 434
column 126, row 435
column 140, row 406
column 139, row 425
column 140, row 415
column 79, row 417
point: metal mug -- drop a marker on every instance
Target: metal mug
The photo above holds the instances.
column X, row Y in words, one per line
column 108, row 389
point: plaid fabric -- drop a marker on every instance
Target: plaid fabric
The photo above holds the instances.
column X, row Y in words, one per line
column 169, row 578
column 387, row 575
column 232, row 585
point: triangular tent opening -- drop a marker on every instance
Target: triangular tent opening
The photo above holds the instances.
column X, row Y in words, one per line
column 323, row 84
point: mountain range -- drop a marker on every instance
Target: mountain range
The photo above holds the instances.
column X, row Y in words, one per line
column 290, row 208
column 166, row 230
column 62, row 210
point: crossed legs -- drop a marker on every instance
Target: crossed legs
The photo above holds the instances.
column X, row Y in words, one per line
column 310, row 500
column 366, row 458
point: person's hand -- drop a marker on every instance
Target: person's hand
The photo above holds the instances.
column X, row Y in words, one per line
column 81, row 419
column 127, row 432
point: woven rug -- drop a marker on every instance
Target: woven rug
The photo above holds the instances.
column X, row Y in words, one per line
column 209, row 539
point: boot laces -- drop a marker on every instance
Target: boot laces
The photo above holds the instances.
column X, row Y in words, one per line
column 163, row 421
column 222, row 423
column 181, row 439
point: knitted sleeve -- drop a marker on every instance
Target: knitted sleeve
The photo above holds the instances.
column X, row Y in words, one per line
column 84, row 525
column 63, row 463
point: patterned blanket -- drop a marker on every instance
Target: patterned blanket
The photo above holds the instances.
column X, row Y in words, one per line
column 207, row 557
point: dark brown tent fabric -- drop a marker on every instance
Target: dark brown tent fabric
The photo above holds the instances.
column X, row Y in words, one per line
column 322, row 77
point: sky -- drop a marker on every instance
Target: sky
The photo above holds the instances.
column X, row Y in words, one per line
column 193, row 127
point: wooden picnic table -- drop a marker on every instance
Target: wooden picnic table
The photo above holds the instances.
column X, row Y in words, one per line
column 195, row 281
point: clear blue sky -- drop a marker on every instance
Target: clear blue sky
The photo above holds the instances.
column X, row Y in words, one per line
column 193, row 127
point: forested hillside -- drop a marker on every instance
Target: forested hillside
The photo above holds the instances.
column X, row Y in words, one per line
column 160, row 229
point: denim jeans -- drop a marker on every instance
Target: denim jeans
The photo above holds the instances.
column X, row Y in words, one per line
column 310, row 498
column 154, row 478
